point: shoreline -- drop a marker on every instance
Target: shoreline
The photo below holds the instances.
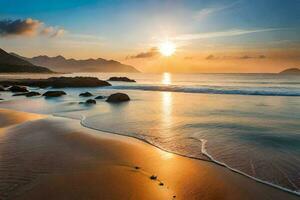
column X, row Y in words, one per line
column 183, row 177
column 205, row 153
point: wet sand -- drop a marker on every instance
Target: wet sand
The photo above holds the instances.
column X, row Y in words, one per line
column 45, row 157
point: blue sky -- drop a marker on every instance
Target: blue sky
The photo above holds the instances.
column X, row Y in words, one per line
column 114, row 28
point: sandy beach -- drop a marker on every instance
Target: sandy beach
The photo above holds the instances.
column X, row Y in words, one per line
column 46, row 157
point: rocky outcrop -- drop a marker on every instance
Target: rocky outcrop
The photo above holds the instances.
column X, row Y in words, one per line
column 118, row 97
column 27, row 94
column 17, row 88
column 54, row 93
column 59, row 82
column 124, row 79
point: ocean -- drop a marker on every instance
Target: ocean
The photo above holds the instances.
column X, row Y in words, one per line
column 249, row 123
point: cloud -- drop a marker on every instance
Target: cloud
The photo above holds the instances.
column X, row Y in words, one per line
column 210, row 57
column 149, row 54
column 28, row 27
column 227, row 33
column 57, row 33
column 211, row 10
column 244, row 57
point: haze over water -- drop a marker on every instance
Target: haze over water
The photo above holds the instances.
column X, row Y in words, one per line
column 250, row 122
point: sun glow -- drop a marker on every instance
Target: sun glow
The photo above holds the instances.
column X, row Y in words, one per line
column 167, row 48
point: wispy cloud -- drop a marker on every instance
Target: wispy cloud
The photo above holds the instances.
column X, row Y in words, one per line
column 149, row 54
column 227, row 33
column 211, row 10
column 28, row 27
column 244, row 57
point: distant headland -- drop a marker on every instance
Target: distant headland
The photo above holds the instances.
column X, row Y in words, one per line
column 295, row 71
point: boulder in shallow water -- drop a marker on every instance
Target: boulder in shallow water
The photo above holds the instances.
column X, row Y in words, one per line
column 27, row 94
column 100, row 97
column 124, row 79
column 17, row 88
column 54, row 93
column 118, row 97
column 90, row 101
column 86, row 94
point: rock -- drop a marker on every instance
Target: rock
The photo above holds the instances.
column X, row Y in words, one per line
column 136, row 167
column 86, row 94
column 54, row 93
column 60, row 82
column 100, row 97
column 124, row 79
column 161, row 184
column 153, row 177
column 2, row 89
column 1, row 99
column 118, row 97
column 90, row 101
column 27, row 94
column 17, row 88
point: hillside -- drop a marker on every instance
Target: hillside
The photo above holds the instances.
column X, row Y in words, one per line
column 12, row 64
column 291, row 71
column 61, row 64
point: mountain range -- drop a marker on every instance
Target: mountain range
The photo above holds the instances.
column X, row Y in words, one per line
column 10, row 63
column 61, row 64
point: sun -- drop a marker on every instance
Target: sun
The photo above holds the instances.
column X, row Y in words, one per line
column 167, row 48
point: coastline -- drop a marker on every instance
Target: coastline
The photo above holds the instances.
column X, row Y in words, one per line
column 55, row 158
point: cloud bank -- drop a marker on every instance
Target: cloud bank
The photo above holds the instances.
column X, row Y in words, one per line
column 28, row 27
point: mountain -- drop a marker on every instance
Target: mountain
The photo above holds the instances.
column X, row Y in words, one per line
column 61, row 64
column 12, row 64
column 291, row 71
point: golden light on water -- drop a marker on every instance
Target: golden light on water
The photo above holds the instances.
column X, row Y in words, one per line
column 166, row 79
column 167, row 48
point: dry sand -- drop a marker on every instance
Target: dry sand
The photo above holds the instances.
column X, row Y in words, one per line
column 44, row 157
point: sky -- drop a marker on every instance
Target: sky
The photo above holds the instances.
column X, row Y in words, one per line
column 210, row 35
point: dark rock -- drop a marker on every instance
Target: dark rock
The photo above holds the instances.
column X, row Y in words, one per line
column 86, row 94
column 27, row 94
column 124, row 79
column 54, row 93
column 161, row 184
column 1, row 99
column 136, row 167
column 100, row 97
column 4, row 86
column 153, row 177
column 90, row 101
column 2, row 89
column 59, row 82
column 17, row 88
column 118, row 97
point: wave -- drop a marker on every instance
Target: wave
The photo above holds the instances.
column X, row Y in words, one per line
column 213, row 90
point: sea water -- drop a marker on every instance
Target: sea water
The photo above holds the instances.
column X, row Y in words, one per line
column 249, row 123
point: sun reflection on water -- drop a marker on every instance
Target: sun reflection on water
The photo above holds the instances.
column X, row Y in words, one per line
column 166, row 109
column 166, row 79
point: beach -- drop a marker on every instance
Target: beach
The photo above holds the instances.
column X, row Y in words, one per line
column 46, row 157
